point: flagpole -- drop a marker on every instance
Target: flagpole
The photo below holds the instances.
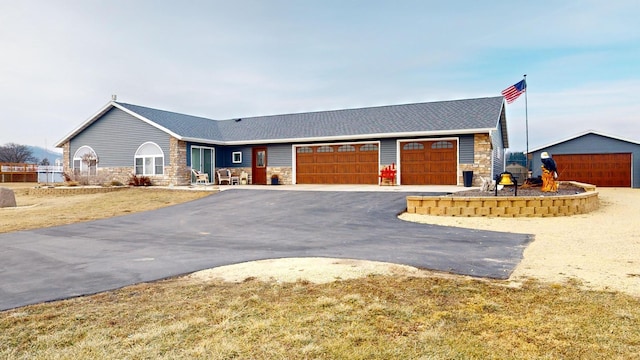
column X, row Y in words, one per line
column 526, row 121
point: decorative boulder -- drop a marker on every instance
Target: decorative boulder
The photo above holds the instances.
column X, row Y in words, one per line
column 7, row 198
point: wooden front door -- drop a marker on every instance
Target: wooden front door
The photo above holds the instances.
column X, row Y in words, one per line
column 259, row 166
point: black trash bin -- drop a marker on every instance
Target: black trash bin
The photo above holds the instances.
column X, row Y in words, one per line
column 467, row 177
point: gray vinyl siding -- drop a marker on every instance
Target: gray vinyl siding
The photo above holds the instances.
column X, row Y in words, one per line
column 466, row 149
column 116, row 137
column 592, row 144
column 280, row 155
column 388, row 151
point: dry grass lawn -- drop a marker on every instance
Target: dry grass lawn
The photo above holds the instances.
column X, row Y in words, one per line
column 375, row 317
column 35, row 212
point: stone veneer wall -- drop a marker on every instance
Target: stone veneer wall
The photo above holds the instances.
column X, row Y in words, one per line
column 482, row 155
column 506, row 206
column 177, row 172
column 285, row 176
column 66, row 157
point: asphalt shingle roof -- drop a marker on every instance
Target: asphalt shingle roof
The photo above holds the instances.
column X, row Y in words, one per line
column 454, row 115
column 181, row 124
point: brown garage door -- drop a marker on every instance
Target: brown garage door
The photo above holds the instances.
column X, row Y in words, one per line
column 606, row 170
column 429, row 163
column 337, row 164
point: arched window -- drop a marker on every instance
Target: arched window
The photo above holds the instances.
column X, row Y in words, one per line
column 325, row 149
column 442, row 145
column 413, row 146
column 85, row 161
column 346, row 148
column 149, row 159
column 369, row 147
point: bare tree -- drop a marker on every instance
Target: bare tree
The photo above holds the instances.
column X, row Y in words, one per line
column 14, row 153
column 91, row 161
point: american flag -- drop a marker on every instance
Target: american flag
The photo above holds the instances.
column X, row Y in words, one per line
column 514, row 91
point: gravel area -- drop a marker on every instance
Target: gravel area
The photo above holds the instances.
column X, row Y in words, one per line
column 522, row 191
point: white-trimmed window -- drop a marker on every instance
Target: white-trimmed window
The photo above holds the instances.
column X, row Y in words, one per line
column 149, row 159
column 236, row 157
column 85, row 161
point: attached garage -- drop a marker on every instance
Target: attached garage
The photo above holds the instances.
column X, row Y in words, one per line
column 594, row 158
column 355, row 163
column 429, row 162
column 606, row 170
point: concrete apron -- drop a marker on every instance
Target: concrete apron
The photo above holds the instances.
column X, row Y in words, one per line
column 352, row 188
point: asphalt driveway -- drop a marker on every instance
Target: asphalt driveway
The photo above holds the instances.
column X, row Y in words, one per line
column 236, row 226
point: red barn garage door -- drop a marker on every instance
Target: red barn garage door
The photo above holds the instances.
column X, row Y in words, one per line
column 605, row 170
column 337, row 164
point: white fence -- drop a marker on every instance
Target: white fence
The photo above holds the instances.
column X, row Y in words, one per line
column 50, row 173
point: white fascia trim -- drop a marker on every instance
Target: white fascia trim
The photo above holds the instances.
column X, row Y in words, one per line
column 86, row 123
column 140, row 117
column 361, row 137
column 201, row 141
column 583, row 134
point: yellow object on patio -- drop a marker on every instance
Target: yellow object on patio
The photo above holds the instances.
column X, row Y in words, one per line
column 549, row 183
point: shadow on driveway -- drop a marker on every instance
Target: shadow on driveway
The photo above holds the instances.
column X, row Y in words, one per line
column 235, row 226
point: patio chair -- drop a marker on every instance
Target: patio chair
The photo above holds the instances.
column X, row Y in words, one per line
column 201, row 178
column 224, row 175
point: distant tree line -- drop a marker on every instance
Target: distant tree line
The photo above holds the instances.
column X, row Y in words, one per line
column 15, row 153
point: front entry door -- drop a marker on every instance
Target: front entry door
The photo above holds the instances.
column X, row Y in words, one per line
column 259, row 166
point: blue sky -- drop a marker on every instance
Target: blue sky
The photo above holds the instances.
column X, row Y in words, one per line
column 62, row 60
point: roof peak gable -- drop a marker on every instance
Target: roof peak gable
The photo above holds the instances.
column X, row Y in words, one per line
column 579, row 135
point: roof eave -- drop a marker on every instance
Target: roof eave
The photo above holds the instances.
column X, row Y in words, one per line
column 359, row 137
column 502, row 120
column 150, row 122
column 203, row 141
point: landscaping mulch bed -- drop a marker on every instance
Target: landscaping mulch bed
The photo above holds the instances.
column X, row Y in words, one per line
column 523, row 191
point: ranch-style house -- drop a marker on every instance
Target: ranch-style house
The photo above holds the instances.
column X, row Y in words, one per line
column 429, row 143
